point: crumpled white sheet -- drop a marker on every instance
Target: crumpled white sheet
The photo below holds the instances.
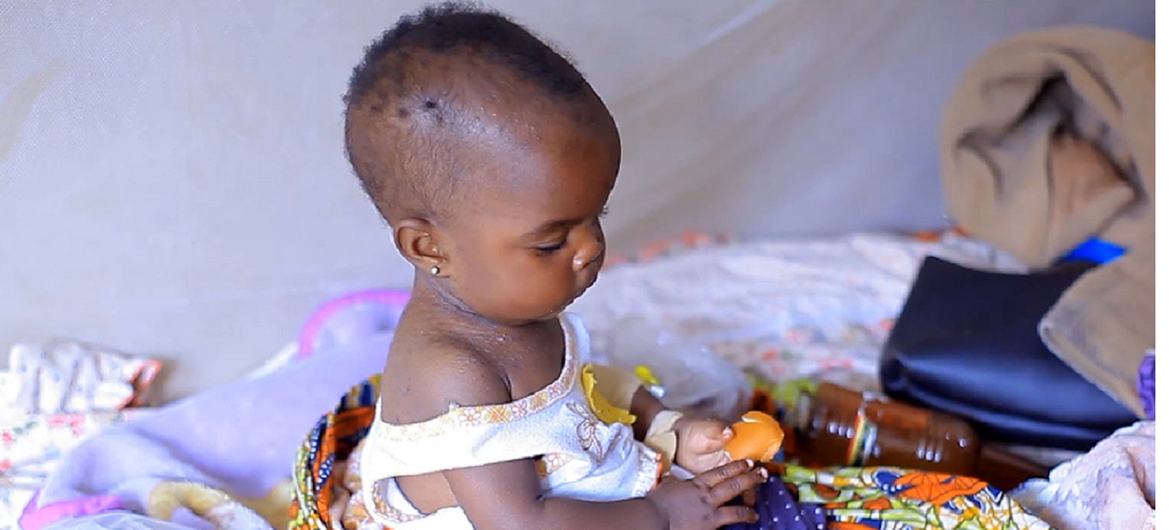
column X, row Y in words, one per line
column 69, row 376
column 53, row 397
column 785, row 309
column 1110, row 487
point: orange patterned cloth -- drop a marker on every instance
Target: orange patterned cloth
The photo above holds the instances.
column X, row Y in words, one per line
column 885, row 498
column 329, row 443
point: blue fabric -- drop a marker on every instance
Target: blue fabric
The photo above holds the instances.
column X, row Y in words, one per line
column 1095, row 250
column 779, row 510
column 1145, row 385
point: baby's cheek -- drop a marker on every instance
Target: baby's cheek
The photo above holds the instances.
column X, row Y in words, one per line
column 546, row 285
column 527, row 290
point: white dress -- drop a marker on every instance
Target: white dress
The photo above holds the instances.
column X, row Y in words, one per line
column 578, row 455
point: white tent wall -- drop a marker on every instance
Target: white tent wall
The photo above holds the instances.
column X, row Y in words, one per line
column 172, row 180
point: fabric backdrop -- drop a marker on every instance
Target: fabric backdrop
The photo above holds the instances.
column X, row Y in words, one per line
column 172, row 179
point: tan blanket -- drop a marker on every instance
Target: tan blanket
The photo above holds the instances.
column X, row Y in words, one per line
column 1048, row 140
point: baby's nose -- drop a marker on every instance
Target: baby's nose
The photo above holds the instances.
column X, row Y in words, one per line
column 587, row 254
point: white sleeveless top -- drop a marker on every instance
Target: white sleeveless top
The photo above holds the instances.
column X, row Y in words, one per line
column 579, row 456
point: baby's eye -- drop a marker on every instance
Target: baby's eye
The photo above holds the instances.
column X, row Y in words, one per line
column 550, row 248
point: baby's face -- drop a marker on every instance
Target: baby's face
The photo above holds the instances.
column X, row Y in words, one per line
column 531, row 241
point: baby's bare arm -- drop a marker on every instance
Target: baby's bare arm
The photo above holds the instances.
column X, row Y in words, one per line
column 507, row 496
column 645, row 407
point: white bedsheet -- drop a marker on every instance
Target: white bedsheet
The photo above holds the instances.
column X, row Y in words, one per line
column 784, row 309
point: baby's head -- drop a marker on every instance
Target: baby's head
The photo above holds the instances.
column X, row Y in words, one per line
column 490, row 157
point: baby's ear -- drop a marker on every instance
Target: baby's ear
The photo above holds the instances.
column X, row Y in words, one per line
column 417, row 241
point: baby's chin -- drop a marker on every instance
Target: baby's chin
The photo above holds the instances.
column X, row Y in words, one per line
column 565, row 305
column 539, row 313
column 552, row 313
column 563, row 308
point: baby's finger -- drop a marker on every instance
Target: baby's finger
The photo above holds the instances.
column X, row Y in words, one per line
column 724, row 472
column 729, row 515
column 733, row 487
column 749, row 496
column 710, row 460
column 712, row 429
column 703, row 462
column 706, row 436
column 709, row 443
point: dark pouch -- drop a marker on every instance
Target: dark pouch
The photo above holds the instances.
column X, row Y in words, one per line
column 966, row 343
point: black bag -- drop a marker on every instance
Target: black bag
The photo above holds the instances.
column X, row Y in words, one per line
column 966, row 343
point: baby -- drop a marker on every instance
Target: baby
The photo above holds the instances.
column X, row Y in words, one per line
column 492, row 160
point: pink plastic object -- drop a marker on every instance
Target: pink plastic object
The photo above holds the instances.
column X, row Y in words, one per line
column 35, row 518
column 371, row 310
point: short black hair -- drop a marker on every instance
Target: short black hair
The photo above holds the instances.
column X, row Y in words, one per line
column 384, row 86
column 442, row 28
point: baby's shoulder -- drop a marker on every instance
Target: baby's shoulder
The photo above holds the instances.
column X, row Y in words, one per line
column 432, row 376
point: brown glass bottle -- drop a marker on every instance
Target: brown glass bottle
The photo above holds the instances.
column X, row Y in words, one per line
column 836, row 426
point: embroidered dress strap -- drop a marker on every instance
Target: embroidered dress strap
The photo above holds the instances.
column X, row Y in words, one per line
column 479, row 435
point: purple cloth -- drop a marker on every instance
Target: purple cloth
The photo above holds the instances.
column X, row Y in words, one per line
column 1145, row 385
column 778, row 509
column 241, row 437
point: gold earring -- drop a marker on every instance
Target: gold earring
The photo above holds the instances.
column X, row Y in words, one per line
column 435, row 270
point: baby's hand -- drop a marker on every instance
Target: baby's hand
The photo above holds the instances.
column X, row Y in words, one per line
column 700, row 444
column 698, row 504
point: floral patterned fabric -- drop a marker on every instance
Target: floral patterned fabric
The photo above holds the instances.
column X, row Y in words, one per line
column 897, row 499
column 30, row 447
column 53, row 397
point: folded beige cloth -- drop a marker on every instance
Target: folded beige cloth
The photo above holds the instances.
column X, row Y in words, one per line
column 1049, row 140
